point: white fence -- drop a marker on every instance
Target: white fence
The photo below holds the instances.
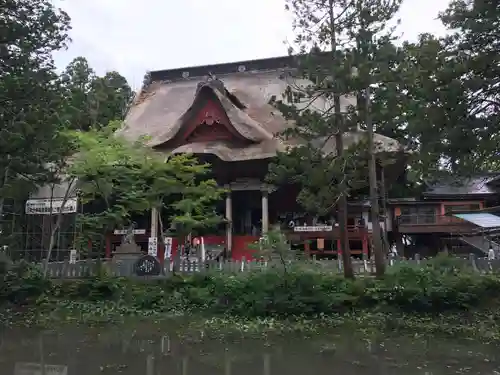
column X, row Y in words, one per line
column 92, row 267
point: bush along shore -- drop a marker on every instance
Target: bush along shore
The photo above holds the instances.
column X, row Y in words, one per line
column 439, row 297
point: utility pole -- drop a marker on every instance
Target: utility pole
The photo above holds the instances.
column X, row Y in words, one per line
column 339, row 146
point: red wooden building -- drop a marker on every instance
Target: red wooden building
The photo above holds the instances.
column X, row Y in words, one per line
column 449, row 216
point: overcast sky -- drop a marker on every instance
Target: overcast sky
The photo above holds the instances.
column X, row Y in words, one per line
column 135, row 36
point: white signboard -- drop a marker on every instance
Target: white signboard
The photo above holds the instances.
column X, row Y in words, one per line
column 168, row 247
column 124, row 231
column 316, row 228
column 72, row 256
column 153, row 246
column 45, row 207
column 23, row 368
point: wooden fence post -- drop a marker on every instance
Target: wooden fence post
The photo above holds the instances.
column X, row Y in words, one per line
column 185, row 362
column 267, row 364
column 150, row 365
column 227, row 365
column 65, row 269
column 472, row 259
column 165, row 344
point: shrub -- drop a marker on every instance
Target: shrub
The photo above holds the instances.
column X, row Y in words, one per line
column 93, row 289
column 438, row 287
column 446, row 264
column 426, row 289
column 5, row 263
column 22, row 283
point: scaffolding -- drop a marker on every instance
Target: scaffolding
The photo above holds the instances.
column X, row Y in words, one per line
column 27, row 228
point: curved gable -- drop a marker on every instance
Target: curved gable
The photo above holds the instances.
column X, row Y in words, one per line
column 207, row 121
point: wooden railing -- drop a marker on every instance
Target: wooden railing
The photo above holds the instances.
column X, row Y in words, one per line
column 429, row 220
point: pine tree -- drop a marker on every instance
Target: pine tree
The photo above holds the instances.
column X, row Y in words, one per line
column 441, row 95
column 369, row 23
column 341, row 36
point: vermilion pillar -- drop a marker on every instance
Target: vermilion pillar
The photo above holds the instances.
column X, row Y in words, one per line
column 307, row 248
column 365, row 246
column 229, row 225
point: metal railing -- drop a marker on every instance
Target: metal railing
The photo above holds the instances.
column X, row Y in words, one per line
column 429, row 220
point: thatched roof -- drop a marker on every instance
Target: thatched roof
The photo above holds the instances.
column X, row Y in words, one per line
column 164, row 107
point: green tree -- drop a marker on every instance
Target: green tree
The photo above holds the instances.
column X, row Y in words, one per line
column 37, row 105
column 442, row 94
column 368, row 29
column 77, row 79
column 30, row 94
column 474, row 44
column 132, row 179
column 111, row 95
column 420, row 100
column 274, row 246
column 92, row 100
column 326, row 174
column 323, row 183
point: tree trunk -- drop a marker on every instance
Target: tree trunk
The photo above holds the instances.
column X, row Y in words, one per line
column 162, row 235
column 375, row 210
column 339, row 145
column 53, row 231
column 342, row 215
column 383, row 193
column 55, row 227
column 2, row 197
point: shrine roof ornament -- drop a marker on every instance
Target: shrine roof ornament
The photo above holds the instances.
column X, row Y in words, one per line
column 167, row 104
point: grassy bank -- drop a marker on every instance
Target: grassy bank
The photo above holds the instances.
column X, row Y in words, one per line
column 440, row 297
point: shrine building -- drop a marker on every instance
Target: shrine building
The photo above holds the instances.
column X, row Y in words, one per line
column 222, row 114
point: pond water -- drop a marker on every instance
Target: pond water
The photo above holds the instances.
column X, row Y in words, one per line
column 153, row 351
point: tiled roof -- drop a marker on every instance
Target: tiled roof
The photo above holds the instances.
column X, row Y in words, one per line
column 473, row 185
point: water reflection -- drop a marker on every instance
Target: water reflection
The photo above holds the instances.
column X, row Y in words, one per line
column 152, row 351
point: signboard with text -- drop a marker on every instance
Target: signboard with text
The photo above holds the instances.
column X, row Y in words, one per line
column 315, row 228
column 25, row 368
column 153, row 246
column 119, row 232
column 168, row 247
column 51, row 206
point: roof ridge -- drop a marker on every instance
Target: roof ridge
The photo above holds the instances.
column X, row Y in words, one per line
column 258, row 65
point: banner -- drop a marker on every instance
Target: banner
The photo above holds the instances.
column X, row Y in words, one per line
column 153, row 246
column 168, row 248
column 51, row 206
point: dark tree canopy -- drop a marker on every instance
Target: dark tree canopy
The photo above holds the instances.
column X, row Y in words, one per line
column 441, row 95
column 93, row 100
column 30, row 92
column 36, row 103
